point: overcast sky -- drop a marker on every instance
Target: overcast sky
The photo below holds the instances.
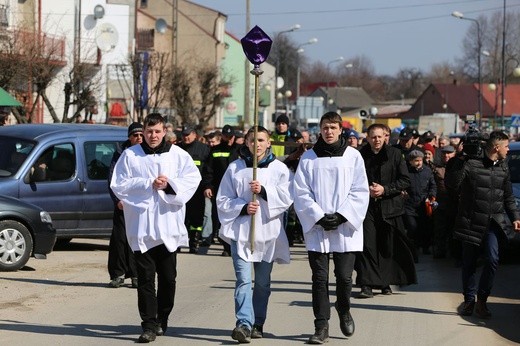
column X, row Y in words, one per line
column 393, row 34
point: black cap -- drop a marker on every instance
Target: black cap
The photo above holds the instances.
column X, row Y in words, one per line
column 134, row 127
column 187, row 129
column 415, row 133
column 406, row 134
column 228, row 130
column 428, row 135
column 295, row 134
column 282, row 118
column 239, row 134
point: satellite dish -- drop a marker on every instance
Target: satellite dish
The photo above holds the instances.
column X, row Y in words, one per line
column 107, row 37
column 160, row 26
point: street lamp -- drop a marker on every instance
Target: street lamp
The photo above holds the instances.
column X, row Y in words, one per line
column 300, row 50
column 291, row 29
column 459, row 15
column 340, row 58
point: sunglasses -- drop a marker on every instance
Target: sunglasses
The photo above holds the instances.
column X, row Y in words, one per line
column 135, row 135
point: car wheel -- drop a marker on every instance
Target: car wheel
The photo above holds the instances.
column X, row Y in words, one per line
column 16, row 244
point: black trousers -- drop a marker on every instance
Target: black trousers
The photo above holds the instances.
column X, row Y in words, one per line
column 121, row 260
column 155, row 309
column 343, row 267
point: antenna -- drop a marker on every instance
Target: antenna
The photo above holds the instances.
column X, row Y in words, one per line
column 160, row 26
column 107, row 37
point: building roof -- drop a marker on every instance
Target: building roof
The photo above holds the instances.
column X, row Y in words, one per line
column 349, row 97
column 511, row 98
column 458, row 98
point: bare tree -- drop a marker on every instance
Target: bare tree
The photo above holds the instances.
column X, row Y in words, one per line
column 285, row 58
column 148, row 71
column 197, row 92
column 79, row 91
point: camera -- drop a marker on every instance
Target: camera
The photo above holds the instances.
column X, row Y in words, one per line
column 473, row 139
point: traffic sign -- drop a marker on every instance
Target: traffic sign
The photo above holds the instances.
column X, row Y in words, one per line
column 515, row 120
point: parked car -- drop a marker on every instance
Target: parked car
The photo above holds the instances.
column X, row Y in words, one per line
column 513, row 161
column 62, row 168
column 25, row 230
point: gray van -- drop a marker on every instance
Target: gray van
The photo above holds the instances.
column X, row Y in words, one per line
column 62, row 168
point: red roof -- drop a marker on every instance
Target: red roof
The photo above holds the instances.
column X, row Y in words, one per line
column 511, row 98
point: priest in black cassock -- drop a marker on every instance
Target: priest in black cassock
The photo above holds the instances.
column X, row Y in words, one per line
column 387, row 257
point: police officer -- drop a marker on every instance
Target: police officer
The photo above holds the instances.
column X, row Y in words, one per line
column 199, row 152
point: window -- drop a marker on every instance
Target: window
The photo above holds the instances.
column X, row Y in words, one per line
column 57, row 163
column 13, row 154
column 98, row 156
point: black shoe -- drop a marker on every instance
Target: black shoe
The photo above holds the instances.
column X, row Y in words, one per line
column 387, row 291
column 205, row 243
column 321, row 335
column 116, row 283
column 225, row 254
column 134, row 283
column 346, row 322
column 366, row 292
column 467, row 308
column 194, row 250
column 481, row 310
column 257, row 332
column 160, row 328
column 242, row 334
column 147, row 336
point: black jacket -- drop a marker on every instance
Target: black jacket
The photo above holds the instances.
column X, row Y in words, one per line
column 219, row 158
column 387, row 168
column 422, row 186
column 198, row 151
column 485, row 195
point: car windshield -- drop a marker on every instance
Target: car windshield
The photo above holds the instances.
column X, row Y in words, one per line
column 13, row 154
column 514, row 165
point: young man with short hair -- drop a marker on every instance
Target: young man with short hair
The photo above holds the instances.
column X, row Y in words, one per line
column 331, row 199
column 155, row 180
column 235, row 207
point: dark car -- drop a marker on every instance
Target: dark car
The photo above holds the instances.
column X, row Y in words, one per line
column 513, row 160
column 25, row 230
column 62, row 168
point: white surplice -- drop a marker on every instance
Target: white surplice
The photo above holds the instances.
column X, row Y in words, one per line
column 329, row 185
column 270, row 242
column 153, row 217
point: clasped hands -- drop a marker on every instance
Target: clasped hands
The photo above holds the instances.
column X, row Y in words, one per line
column 331, row 222
column 160, row 183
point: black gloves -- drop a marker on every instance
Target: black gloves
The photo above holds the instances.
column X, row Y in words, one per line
column 331, row 222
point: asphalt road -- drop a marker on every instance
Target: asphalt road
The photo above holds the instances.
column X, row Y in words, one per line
column 64, row 300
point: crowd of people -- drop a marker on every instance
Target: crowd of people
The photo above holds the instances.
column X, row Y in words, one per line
column 371, row 201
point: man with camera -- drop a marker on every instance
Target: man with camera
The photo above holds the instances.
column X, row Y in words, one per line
column 483, row 183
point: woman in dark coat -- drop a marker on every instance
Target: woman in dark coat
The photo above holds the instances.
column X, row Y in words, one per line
column 386, row 258
column 422, row 188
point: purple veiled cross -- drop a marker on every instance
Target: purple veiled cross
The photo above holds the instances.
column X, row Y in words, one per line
column 256, row 45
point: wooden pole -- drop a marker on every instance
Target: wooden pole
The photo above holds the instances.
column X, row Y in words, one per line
column 256, row 72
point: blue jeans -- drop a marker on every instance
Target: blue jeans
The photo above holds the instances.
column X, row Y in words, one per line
column 470, row 255
column 251, row 306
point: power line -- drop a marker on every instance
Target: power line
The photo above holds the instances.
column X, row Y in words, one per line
column 400, row 21
column 366, row 9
